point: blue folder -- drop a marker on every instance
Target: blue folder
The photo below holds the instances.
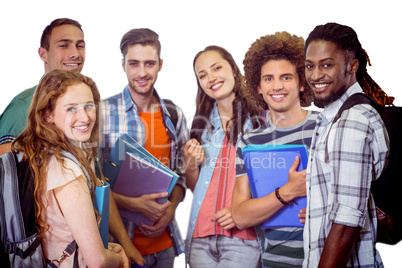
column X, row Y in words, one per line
column 102, row 194
column 267, row 168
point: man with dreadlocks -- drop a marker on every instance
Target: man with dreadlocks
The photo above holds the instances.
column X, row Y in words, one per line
column 346, row 156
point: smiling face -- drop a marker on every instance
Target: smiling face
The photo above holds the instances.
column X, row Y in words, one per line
column 75, row 113
column 215, row 76
column 327, row 72
column 280, row 87
column 66, row 49
column 142, row 65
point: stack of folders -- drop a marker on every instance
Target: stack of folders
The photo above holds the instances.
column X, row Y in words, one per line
column 267, row 168
column 133, row 172
column 102, row 194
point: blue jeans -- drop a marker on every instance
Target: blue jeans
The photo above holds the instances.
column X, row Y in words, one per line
column 161, row 259
column 221, row 251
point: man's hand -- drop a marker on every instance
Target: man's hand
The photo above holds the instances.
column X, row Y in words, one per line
column 151, row 209
column 160, row 226
column 134, row 256
column 296, row 185
column 224, row 218
column 302, row 215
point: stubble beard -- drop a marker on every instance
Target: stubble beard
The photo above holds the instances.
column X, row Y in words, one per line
column 333, row 96
column 133, row 88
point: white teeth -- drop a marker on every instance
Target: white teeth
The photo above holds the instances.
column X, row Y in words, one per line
column 81, row 128
column 320, row 85
column 216, row 86
column 278, row 96
column 72, row 64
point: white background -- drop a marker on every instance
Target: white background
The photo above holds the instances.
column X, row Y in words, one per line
column 186, row 27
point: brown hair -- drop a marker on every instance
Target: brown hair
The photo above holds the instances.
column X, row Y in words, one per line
column 44, row 40
column 41, row 139
column 141, row 36
column 242, row 108
column 278, row 46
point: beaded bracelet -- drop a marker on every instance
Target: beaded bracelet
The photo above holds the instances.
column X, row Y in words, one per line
column 280, row 198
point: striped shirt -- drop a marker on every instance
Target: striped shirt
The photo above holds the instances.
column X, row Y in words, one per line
column 339, row 179
column 281, row 247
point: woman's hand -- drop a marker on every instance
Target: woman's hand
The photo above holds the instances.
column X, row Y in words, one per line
column 224, row 218
column 116, row 248
column 193, row 158
column 193, row 154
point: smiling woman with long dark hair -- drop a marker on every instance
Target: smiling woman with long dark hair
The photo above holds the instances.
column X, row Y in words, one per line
column 223, row 114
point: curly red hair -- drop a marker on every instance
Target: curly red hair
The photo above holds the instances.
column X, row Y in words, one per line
column 41, row 139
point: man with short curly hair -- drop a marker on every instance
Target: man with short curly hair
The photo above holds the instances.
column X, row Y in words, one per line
column 274, row 71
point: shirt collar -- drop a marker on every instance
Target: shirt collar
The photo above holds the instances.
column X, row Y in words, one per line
column 331, row 110
column 130, row 104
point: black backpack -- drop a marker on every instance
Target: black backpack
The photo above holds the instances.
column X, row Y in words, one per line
column 388, row 186
column 171, row 107
column 20, row 242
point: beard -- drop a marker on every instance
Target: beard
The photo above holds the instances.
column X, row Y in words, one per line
column 333, row 96
column 140, row 91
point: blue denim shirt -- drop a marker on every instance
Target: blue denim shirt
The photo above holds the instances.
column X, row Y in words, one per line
column 120, row 115
column 212, row 145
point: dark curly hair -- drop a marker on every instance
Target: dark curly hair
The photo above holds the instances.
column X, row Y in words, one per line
column 242, row 107
column 278, row 46
column 345, row 38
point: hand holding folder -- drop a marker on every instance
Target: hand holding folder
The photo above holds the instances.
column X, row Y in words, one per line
column 267, row 168
column 134, row 172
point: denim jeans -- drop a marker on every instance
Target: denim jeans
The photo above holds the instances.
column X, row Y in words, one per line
column 222, row 251
column 161, row 259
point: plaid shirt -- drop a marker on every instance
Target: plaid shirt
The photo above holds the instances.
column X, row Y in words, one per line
column 339, row 179
column 120, row 115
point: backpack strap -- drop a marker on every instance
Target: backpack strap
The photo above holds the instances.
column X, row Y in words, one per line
column 66, row 253
column 73, row 245
column 70, row 156
column 13, row 249
column 171, row 107
column 358, row 98
column 11, row 204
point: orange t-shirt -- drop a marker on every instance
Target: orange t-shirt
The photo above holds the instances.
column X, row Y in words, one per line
column 157, row 142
